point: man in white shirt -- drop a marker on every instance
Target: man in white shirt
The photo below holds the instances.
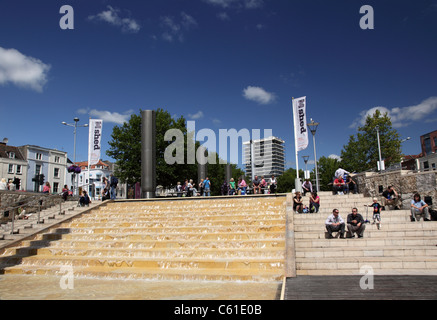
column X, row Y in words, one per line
column 335, row 223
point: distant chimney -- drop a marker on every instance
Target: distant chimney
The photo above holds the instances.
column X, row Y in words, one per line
column 5, row 141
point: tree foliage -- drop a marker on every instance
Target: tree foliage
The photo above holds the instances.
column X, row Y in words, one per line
column 361, row 152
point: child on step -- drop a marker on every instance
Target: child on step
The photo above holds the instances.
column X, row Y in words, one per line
column 376, row 212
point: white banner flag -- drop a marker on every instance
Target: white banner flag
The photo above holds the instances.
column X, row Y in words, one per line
column 94, row 144
column 300, row 124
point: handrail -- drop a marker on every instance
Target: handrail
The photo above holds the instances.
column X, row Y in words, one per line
column 34, row 202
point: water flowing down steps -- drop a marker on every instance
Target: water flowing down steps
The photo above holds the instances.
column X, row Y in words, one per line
column 238, row 239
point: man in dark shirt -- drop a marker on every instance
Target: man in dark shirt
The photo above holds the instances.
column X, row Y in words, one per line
column 390, row 197
column 355, row 223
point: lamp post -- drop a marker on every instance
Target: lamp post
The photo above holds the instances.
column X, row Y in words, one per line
column 75, row 126
column 379, row 149
column 313, row 128
column 305, row 159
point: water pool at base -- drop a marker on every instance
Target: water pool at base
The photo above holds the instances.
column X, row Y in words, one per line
column 25, row 287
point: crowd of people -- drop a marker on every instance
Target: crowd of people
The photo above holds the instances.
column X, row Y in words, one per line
column 227, row 188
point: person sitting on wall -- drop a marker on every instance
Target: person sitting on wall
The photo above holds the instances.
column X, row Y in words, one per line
column 390, row 197
column 256, row 184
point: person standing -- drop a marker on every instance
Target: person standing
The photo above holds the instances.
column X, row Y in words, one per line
column 113, row 182
column 207, row 187
column 355, row 223
column 335, row 223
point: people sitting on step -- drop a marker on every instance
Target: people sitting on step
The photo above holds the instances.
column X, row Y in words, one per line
column 314, row 202
column 390, row 198
column 338, row 186
column 419, row 208
column 351, row 185
column 335, row 223
column 356, row 223
column 298, row 203
column 84, row 199
column 256, row 185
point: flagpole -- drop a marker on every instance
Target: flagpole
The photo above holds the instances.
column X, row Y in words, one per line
column 297, row 185
column 89, row 157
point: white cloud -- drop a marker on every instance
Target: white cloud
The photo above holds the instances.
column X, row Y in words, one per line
column 223, row 16
column 401, row 117
column 175, row 30
column 335, row 157
column 248, row 4
column 196, row 116
column 112, row 16
column 259, row 95
column 108, row 116
column 21, row 70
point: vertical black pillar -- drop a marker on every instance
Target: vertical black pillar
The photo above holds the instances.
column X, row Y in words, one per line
column 148, row 154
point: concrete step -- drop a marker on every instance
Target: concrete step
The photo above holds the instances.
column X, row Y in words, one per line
column 257, row 263
column 303, row 245
column 123, row 273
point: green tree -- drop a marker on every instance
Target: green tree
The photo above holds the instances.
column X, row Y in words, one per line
column 286, row 182
column 326, row 168
column 361, row 152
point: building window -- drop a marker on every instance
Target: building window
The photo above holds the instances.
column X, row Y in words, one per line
column 56, row 173
column 11, row 169
column 37, row 169
column 55, row 187
column 57, row 159
column 19, row 169
column 38, row 156
column 11, row 155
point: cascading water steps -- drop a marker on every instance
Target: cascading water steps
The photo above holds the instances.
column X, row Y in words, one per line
column 239, row 239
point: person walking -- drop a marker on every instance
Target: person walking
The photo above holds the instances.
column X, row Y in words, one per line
column 113, row 182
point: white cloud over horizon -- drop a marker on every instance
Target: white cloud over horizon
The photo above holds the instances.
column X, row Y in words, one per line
column 258, row 95
column 108, row 116
column 401, row 117
column 112, row 16
column 21, row 70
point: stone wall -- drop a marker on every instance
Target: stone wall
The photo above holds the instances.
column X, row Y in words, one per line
column 406, row 183
column 13, row 198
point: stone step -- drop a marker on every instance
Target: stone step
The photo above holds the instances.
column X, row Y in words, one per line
column 178, row 230
column 162, row 253
column 169, row 236
column 388, row 251
column 108, row 223
column 258, row 263
column 378, row 234
column 392, row 226
column 418, row 242
column 377, row 263
column 150, row 244
column 122, row 273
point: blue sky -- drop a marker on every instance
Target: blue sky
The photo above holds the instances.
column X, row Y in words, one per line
column 223, row 63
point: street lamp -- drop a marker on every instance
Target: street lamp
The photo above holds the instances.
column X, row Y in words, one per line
column 305, row 159
column 379, row 151
column 313, row 128
column 75, row 126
